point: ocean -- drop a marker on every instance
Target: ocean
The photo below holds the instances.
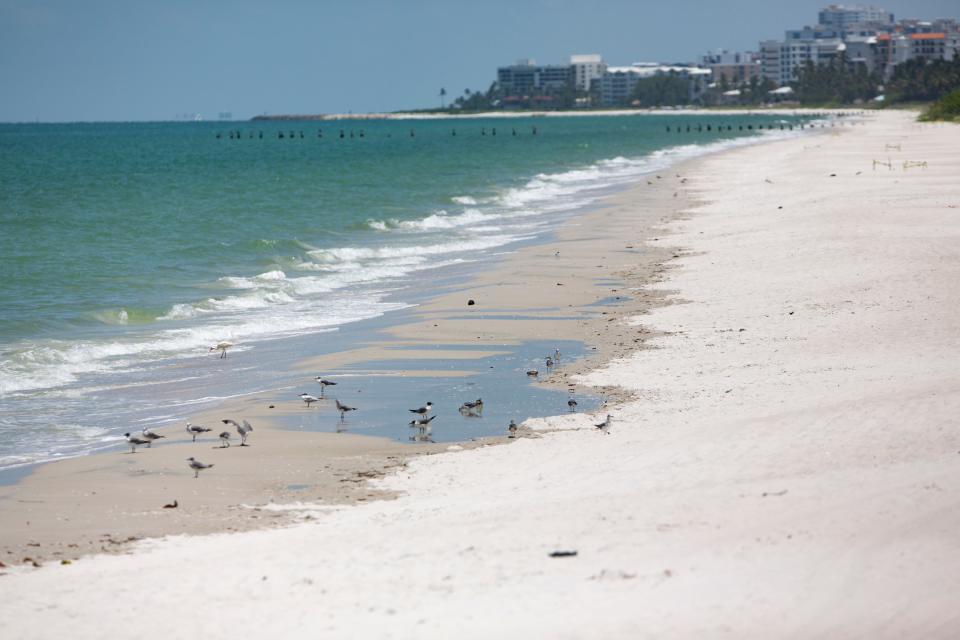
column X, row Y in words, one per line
column 128, row 249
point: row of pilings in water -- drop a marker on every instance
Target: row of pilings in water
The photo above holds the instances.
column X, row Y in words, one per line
column 237, row 134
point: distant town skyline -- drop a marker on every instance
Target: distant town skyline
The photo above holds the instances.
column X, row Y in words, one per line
column 114, row 61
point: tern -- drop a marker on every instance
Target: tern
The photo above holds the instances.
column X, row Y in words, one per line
column 243, row 429
column 324, row 383
column 134, row 441
column 605, row 425
column 343, row 409
column 549, row 361
column 197, row 466
column 512, row 429
column 224, row 439
column 222, row 348
column 424, row 410
column 421, row 422
column 307, row 398
column 195, row 430
column 151, row 436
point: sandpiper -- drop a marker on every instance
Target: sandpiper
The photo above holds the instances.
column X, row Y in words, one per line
column 196, row 465
column 572, row 404
column 222, row 347
column 512, row 429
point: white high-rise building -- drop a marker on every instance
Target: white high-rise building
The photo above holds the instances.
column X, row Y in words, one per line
column 586, row 69
column 842, row 17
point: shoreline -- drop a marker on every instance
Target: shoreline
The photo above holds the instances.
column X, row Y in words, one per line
column 790, row 447
column 510, row 312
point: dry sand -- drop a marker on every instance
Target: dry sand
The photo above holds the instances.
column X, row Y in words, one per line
column 787, row 467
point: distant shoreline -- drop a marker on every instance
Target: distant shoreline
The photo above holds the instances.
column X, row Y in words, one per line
column 539, row 114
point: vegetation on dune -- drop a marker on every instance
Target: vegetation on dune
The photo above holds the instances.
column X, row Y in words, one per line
column 946, row 108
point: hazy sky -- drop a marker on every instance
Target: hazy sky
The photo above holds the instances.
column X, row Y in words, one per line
column 69, row 60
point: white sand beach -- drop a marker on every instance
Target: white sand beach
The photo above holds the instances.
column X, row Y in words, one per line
column 787, row 466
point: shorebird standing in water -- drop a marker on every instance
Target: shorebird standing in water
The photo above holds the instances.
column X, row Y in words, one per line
column 308, row 399
column 242, row 429
column 421, row 422
column 424, row 410
column 512, row 429
column 195, row 430
column 473, row 409
column 549, row 361
column 343, row 409
column 324, row 383
column 605, row 425
column 134, row 441
column 556, row 355
column 197, row 466
column 151, row 436
column 533, row 373
column 222, row 347
column 572, row 404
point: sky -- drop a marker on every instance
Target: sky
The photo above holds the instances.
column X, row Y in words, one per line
column 120, row 60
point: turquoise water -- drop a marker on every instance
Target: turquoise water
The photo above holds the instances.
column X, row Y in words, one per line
column 127, row 250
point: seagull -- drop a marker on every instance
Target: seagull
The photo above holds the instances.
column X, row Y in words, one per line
column 151, row 436
column 195, row 430
column 343, row 409
column 306, row 397
column 324, row 383
column 533, row 373
column 424, row 410
column 512, row 429
column 196, row 465
column 421, row 422
column 222, row 347
column 242, row 429
column 605, row 425
column 224, row 439
column 134, row 441
column 572, row 404
column 472, row 408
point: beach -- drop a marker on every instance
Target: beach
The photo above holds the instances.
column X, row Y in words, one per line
column 780, row 372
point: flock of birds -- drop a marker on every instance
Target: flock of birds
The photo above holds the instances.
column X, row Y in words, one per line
column 421, row 419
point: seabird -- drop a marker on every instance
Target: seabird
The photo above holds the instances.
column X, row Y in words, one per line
column 421, row 422
column 533, row 373
column 512, row 429
column 222, row 347
column 549, row 361
column 224, row 439
column 196, row 465
column 343, row 409
column 151, row 436
column 572, row 404
column 324, row 383
column 134, row 441
column 424, row 410
column 195, row 430
column 556, row 355
column 472, row 408
column 605, row 425
column 242, row 429
column 307, row 398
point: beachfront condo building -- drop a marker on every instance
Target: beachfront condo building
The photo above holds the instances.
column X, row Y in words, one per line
column 735, row 68
column 586, row 69
column 617, row 84
column 526, row 78
column 842, row 17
